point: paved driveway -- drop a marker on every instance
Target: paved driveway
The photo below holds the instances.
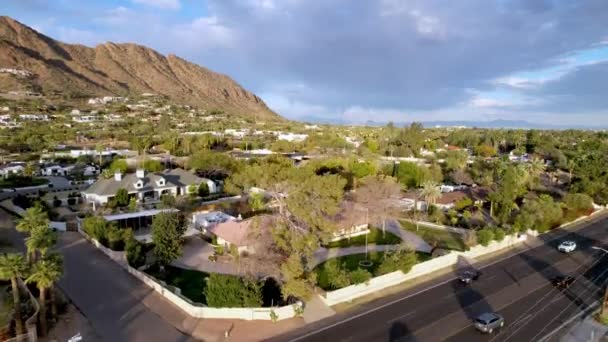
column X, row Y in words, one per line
column 111, row 298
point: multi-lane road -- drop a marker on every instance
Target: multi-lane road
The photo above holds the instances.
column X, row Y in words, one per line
column 517, row 286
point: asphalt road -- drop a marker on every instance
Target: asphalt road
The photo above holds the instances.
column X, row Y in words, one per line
column 111, row 298
column 518, row 287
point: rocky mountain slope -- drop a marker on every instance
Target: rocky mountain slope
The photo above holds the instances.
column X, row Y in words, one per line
column 116, row 69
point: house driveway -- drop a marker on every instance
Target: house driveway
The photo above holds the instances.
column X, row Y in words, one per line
column 196, row 257
column 414, row 241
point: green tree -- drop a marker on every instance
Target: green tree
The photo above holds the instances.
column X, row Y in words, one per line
column 134, row 250
column 45, row 273
column 167, row 231
column 485, row 236
column 203, row 189
column 430, row 193
column 228, row 291
column 152, row 165
column 334, row 275
column 95, row 227
column 256, row 201
column 122, row 197
column 117, row 165
column 485, row 151
column 13, row 267
column 33, row 219
column 40, row 241
column 402, row 260
column 298, row 282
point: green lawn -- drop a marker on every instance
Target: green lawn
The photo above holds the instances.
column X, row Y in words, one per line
column 440, row 238
column 351, row 263
column 374, row 236
column 191, row 283
column 19, row 182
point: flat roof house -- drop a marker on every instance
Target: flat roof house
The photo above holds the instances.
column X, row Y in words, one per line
column 145, row 186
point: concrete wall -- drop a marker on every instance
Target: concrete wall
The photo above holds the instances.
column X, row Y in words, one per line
column 378, row 283
column 194, row 309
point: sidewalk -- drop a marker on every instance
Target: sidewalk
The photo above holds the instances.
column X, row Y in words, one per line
column 412, row 240
column 588, row 330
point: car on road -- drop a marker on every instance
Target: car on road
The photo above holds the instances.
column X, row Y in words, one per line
column 469, row 276
column 567, row 246
column 488, row 322
column 562, row 282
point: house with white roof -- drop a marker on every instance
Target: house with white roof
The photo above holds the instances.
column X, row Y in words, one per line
column 13, row 168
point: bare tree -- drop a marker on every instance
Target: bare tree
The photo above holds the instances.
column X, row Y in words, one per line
column 379, row 195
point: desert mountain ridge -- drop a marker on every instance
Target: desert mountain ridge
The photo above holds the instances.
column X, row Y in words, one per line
column 124, row 69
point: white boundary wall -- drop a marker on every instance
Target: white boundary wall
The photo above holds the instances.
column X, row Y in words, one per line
column 378, row 283
column 192, row 309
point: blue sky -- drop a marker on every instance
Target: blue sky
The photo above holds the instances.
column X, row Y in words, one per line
column 544, row 61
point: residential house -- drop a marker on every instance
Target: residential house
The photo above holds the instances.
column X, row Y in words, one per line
column 54, row 169
column 34, row 117
column 352, row 220
column 145, row 186
column 292, row 137
column 12, row 168
column 240, row 233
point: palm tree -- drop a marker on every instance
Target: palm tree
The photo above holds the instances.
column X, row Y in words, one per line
column 45, row 273
column 40, row 240
column 12, row 267
column 535, row 168
column 430, row 192
column 99, row 150
column 33, row 219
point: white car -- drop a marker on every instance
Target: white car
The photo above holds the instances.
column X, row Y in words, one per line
column 567, row 246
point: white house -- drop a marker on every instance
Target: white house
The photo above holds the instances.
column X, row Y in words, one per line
column 34, row 117
column 292, row 137
column 13, row 168
column 84, row 118
column 145, row 186
column 55, row 169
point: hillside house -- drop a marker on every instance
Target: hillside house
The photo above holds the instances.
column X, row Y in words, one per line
column 11, row 169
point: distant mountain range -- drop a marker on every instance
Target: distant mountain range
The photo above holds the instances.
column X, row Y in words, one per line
column 515, row 124
column 53, row 67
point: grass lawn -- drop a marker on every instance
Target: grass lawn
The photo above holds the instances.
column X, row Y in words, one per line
column 191, row 283
column 442, row 238
column 374, row 236
column 351, row 263
column 19, row 182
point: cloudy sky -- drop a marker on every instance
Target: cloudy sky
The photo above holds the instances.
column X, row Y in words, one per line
column 544, row 61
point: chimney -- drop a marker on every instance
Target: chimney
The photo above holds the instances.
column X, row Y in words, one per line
column 117, row 176
column 140, row 173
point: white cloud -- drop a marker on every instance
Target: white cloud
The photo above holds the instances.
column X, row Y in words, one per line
column 164, row 4
column 205, row 33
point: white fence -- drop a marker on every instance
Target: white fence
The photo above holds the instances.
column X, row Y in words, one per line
column 198, row 310
column 378, row 283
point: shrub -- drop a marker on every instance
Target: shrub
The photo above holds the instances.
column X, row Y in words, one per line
column 499, row 234
column 114, row 237
column 485, row 236
column 136, row 256
column 203, row 189
column 122, row 197
column 360, row 276
column 402, row 260
column 167, row 201
column 56, row 203
column 71, row 201
column 227, row 291
column 463, row 204
column 95, row 227
column 334, row 276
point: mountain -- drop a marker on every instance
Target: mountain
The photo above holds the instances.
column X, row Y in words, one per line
column 116, row 69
